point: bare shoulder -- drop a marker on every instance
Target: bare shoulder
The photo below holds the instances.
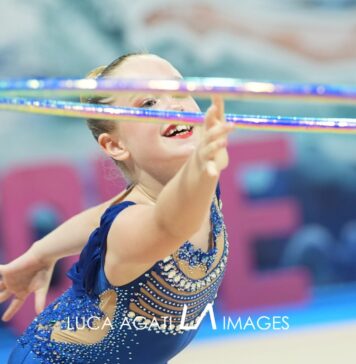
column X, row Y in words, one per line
column 136, row 236
column 136, row 241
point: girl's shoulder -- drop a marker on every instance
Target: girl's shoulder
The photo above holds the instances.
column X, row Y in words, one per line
column 118, row 203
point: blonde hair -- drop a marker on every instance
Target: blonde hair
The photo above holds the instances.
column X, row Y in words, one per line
column 100, row 126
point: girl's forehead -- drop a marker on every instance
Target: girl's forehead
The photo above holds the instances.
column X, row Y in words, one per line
column 146, row 66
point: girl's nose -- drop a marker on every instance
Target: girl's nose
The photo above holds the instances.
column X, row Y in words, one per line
column 177, row 107
column 175, row 103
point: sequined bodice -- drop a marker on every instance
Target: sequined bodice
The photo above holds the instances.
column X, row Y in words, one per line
column 139, row 322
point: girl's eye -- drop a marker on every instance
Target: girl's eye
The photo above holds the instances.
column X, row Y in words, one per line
column 149, row 103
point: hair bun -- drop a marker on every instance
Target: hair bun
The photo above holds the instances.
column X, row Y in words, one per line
column 96, row 72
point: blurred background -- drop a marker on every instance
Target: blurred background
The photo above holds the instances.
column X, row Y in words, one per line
column 289, row 199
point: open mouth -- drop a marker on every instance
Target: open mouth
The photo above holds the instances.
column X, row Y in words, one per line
column 178, row 131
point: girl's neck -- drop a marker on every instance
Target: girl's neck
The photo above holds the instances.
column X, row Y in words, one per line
column 148, row 189
column 144, row 191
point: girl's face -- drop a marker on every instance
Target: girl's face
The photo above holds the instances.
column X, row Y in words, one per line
column 150, row 150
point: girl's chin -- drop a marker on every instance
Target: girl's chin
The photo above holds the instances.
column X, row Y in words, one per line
column 184, row 150
column 176, row 142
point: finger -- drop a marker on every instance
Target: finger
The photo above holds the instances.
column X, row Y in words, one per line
column 15, row 305
column 218, row 131
column 210, row 118
column 211, row 149
column 4, row 296
column 218, row 101
column 40, row 299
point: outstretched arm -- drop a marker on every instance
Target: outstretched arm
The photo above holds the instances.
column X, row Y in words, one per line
column 32, row 271
column 70, row 237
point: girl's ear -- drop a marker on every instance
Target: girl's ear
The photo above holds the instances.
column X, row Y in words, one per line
column 114, row 148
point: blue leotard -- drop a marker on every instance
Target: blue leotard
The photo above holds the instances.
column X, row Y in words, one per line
column 139, row 322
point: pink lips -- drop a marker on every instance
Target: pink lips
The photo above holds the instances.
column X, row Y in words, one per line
column 183, row 136
column 179, row 136
column 169, row 127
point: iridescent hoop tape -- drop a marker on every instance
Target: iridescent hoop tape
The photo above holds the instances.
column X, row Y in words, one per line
column 197, row 87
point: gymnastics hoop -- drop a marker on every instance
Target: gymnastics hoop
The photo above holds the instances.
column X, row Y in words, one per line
column 17, row 95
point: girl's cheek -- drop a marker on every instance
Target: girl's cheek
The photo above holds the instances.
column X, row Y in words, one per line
column 148, row 133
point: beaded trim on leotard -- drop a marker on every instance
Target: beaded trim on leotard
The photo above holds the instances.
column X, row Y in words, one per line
column 196, row 256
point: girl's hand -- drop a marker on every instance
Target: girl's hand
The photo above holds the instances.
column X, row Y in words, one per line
column 212, row 153
column 24, row 275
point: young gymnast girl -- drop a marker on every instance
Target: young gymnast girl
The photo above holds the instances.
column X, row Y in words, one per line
column 152, row 255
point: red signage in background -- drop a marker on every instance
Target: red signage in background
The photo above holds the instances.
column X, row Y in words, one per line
column 21, row 191
column 244, row 287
